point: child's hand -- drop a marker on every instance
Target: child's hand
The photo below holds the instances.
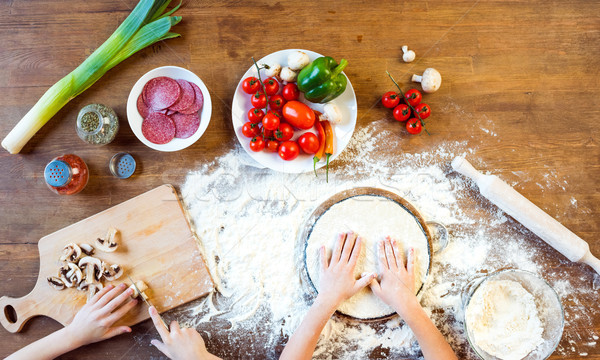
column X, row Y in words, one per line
column 95, row 319
column 179, row 344
column 337, row 282
column 397, row 285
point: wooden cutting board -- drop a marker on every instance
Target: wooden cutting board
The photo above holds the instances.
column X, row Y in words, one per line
column 156, row 246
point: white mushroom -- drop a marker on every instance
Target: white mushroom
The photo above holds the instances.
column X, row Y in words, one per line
column 297, row 60
column 87, row 249
column 142, row 287
column 70, row 274
column 430, row 80
column 109, row 242
column 288, row 74
column 272, row 70
column 92, row 267
column 91, row 288
column 56, row 282
column 71, row 253
column 408, row 55
column 332, row 113
column 112, row 272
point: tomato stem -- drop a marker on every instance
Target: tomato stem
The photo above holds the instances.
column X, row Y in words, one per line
column 407, row 103
column 264, row 89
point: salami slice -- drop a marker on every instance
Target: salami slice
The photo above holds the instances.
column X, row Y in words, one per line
column 198, row 102
column 185, row 124
column 161, row 92
column 142, row 107
column 187, row 97
column 158, row 128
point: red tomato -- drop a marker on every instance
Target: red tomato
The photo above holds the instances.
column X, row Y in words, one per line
column 272, row 145
column 284, row 132
column 250, row 129
column 309, row 143
column 259, row 100
column 255, row 115
column 250, row 85
column 413, row 97
column 423, row 110
column 270, row 121
column 289, row 150
column 299, row 115
column 390, row 99
column 257, row 144
column 414, row 126
column 290, row 92
column 401, row 112
column 276, row 102
column 271, row 86
column 266, row 134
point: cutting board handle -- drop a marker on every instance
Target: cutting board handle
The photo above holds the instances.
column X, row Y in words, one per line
column 14, row 312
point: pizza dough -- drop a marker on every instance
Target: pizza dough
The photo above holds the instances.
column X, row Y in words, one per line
column 373, row 218
column 503, row 321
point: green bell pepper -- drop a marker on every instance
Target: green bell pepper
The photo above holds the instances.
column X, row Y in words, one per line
column 322, row 80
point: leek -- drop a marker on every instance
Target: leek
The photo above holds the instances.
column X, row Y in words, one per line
column 147, row 24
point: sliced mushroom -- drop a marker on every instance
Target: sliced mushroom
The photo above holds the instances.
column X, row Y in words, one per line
column 109, row 242
column 92, row 289
column 87, row 249
column 140, row 285
column 92, row 267
column 112, row 272
column 56, row 282
column 70, row 274
column 71, row 253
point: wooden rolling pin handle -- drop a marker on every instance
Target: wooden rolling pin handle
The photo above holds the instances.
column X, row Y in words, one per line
column 462, row 166
column 591, row 260
column 14, row 312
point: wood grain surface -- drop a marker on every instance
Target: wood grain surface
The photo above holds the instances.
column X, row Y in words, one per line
column 521, row 87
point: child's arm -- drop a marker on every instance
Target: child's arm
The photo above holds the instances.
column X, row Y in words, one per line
column 91, row 324
column 397, row 289
column 336, row 284
column 179, row 343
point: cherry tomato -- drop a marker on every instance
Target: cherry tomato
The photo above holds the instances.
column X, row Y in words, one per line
column 250, row 129
column 276, row 102
column 290, row 92
column 270, row 121
column 255, row 115
column 271, row 86
column 259, row 100
column 266, row 134
column 423, row 110
column 414, row 126
column 401, row 112
column 413, row 97
column 284, row 132
column 309, row 143
column 390, row 99
column 257, row 144
column 289, row 150
column 299, row 115
column 272, row 145
column 250, row 85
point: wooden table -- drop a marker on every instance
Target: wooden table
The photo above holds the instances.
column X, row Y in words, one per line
column 527, row 71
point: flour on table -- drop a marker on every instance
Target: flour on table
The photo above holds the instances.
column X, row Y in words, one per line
column 372, row 218
column 503, row 320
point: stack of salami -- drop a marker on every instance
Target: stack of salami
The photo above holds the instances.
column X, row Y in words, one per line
column 170, row 109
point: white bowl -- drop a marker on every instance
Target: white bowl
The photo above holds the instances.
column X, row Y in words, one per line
column 303, row 163
column 135, row 119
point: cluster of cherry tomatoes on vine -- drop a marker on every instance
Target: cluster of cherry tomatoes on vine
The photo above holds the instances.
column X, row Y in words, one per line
column 408, row 108
column 274, row 112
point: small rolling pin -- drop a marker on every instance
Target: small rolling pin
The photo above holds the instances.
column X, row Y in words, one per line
column 528, row 214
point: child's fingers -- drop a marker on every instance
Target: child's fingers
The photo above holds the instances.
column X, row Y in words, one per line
column 389, row 253
column 355, row 252
column 348, row 246
column 158, row 324
column 117, row 301
column 323, row 258
column 337, row 249
column 174, row 326
column 118, row 330
column 161, row 347
column 383, row 262
column 120, row 312
column 410, row 266
column 363, row 281
column 100, row 294
column 375, row 287
column 398, row 255
column 109, row 295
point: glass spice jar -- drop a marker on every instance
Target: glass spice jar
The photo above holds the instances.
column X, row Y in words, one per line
column 97, row 124
column 66, row 174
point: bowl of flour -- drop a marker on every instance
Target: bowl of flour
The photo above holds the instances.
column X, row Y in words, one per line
column 513, row 315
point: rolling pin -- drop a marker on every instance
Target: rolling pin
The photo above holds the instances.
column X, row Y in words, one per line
column 528, row 214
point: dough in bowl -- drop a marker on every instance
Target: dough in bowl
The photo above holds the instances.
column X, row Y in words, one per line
column 372, row 218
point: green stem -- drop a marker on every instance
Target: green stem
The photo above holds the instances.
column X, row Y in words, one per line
column 407, row 103
column 338, row 69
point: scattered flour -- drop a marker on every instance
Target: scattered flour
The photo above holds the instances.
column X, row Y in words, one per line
column 248, row 221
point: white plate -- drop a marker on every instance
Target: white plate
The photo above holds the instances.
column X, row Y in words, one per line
column 303, row 163
column 135, row 119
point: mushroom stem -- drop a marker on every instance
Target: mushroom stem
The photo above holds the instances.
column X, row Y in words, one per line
column 417, row 78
